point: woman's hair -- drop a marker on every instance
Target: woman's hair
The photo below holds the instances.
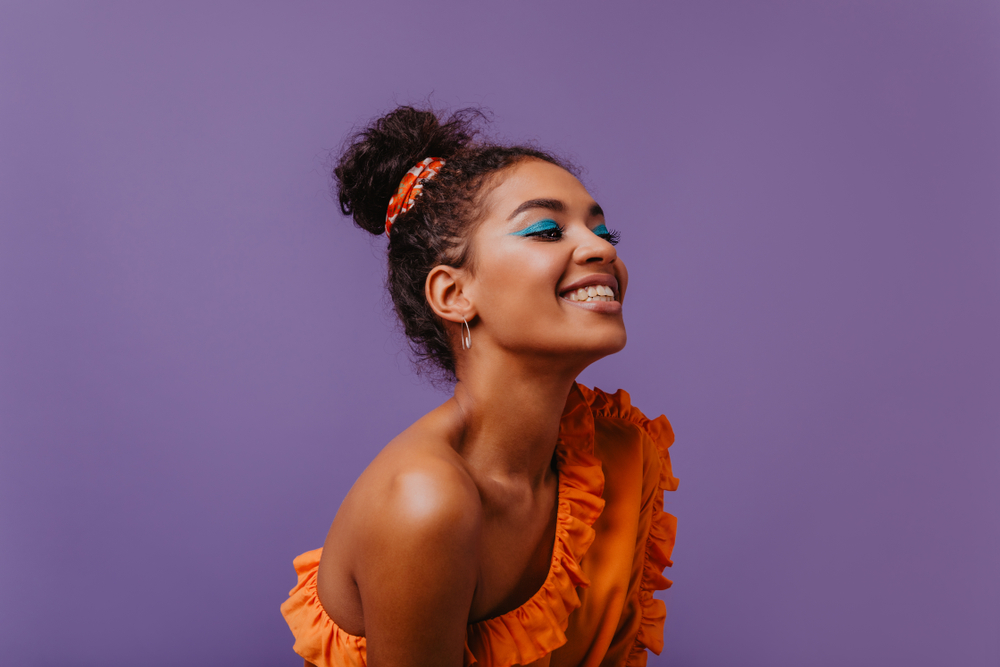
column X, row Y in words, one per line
column 436, row 230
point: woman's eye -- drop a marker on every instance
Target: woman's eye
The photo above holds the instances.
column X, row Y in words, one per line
column 548, row 233
column 609, row 235
column 546, row 229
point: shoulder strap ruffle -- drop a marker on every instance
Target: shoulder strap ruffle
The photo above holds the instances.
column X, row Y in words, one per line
column 538, row 627
column 663, row 528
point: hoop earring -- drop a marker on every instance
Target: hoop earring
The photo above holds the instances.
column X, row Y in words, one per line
column 466, row 336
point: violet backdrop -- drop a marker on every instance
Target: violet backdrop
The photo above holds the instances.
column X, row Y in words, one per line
column 197, row 360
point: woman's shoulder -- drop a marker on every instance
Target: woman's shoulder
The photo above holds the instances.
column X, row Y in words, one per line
column 422, row 482
column 417, row 484
column 413, row 505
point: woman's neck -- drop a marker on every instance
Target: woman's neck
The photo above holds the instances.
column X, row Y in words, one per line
column 510, row 414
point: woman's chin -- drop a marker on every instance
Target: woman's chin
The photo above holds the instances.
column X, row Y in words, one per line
column 613, row 342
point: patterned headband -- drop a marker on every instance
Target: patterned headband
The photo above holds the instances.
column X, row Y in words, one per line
column 410, row 187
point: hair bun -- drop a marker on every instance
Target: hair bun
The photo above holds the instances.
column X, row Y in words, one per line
column 375, row 159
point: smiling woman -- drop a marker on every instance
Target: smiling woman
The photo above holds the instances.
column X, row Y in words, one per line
column 521, row 521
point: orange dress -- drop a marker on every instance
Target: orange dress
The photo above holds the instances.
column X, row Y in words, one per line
column 612, row 542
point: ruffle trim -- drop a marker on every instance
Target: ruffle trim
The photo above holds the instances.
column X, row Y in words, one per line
column 538, row 627
column 317, row 638
column 662, row 530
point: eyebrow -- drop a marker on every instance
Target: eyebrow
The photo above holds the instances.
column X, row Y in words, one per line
column 550, row 205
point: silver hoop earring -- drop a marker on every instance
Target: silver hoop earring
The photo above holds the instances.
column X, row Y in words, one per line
column 466, row 335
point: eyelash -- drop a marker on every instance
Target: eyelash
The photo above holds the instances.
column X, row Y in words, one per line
column 612, row 237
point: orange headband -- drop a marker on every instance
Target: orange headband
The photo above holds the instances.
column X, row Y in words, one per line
column 410, row 187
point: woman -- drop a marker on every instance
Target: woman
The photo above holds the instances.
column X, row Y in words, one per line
column 521, row 522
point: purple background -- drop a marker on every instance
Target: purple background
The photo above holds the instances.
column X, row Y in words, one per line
column 196, row 359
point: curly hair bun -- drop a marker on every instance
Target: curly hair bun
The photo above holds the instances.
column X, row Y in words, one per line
column 376, row 158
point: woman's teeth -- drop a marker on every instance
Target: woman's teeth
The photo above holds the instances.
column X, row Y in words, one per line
column 592, row 293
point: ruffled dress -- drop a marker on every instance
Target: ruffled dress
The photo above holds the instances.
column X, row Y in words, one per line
column 613, row 540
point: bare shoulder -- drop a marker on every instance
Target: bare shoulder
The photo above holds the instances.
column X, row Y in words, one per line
column 418, row 478
column 415, row 497
column 408, row 537
column 419, row 488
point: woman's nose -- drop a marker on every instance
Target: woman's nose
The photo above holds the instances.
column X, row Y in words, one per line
column 593, row 249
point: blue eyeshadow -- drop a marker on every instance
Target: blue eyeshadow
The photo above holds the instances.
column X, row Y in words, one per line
column 601, row 230
column 540, row 226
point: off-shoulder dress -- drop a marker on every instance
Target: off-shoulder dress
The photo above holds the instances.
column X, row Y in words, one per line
column 613, row 540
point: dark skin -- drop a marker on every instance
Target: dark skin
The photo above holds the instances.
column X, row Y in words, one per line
column 454, row 521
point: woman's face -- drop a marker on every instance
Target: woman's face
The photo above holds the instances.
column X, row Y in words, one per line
column 546, row 278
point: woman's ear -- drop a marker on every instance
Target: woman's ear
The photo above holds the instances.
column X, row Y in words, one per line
column 444, row 291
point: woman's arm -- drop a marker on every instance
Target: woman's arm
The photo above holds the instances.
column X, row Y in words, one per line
column 418, row 567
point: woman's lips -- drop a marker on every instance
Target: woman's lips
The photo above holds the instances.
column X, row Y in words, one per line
column 597, row 292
